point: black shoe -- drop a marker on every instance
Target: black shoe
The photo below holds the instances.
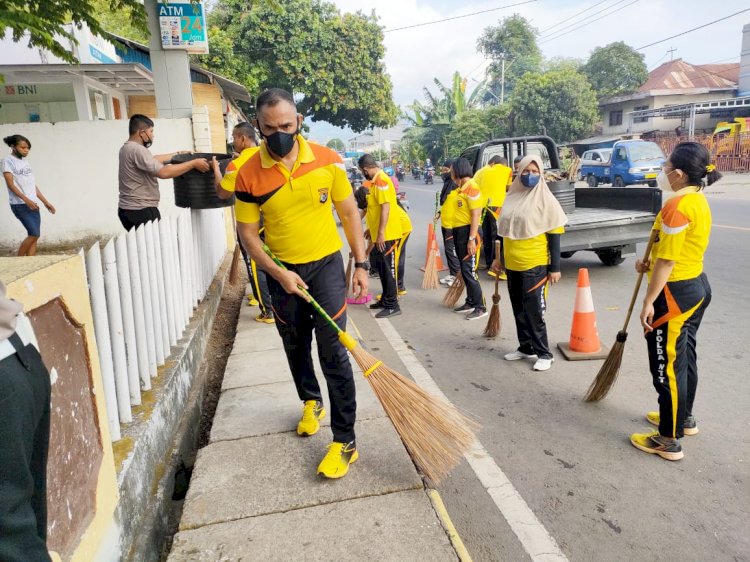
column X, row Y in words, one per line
column 476, row 314
column 388, row 312
column 463, row 308
column 376, row 305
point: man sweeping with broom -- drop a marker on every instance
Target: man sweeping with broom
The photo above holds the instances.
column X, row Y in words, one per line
column 293, row 183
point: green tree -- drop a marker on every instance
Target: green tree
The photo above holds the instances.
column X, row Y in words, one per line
column 336, row 144
column 559, row 103
column 332, row 61
column 514, row 40
column 471, row 127
column 46, row 20
column 615, row 69
column 120, row 22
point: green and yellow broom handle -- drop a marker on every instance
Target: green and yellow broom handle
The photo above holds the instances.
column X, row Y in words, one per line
column 348, row 341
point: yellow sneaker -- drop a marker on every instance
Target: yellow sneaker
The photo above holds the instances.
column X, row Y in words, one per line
column 252, row 301
column 690, row 427
column 311, row 413
column 401, row 292
column 652, row 442
column 337, row 460
column 265, row 318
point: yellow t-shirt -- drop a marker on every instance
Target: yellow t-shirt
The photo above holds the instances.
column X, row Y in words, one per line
column 493, row 183
column 522, row 255
column 448, row 209
column 296, row 205
column 404, row 219
column 468, row 198
column 229, row 180
column 382, row 191
column 684, row 226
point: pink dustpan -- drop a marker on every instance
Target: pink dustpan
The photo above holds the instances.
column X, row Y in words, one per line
column 361, row 300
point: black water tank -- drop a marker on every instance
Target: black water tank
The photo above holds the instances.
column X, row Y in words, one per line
column 194, row 189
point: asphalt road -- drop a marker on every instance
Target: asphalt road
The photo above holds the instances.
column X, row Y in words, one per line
column 572, row 462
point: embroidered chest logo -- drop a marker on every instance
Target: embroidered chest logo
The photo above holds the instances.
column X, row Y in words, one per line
column 323, row 194
column 460, row 203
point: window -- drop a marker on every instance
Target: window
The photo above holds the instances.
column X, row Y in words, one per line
column 640, row 119
column 615, row 118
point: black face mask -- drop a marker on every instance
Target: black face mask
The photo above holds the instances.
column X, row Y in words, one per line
column 281, row 143
column 148, row 142
column 446, row 176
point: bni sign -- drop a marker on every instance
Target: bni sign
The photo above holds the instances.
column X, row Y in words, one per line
column 183, row 26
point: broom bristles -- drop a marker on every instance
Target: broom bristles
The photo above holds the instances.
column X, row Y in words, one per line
column 609, row 371
column 234, row 268
column 430, row 278
column 436, row 433
column 454, row 292
column 493, row 323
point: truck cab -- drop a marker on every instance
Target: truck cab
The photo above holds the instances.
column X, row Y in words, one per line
column 631, row 162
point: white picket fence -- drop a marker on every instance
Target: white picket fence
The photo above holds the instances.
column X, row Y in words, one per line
column 144, row 286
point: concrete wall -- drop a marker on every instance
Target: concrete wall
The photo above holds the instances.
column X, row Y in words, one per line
column 82, row 494
column 75, row 165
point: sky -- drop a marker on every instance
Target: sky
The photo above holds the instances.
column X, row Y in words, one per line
column 414, row 57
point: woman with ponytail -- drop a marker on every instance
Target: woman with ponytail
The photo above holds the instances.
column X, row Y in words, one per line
column 677, row 296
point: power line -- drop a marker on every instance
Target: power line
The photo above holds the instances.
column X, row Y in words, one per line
column 547, row 40
column 458, row 17
column 571, row 17
column 694, row 29
column 585, row 20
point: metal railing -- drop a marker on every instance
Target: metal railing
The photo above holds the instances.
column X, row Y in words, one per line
column 144, row 286
column 730, row 153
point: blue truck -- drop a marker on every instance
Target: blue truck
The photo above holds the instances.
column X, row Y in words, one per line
column 628, row 162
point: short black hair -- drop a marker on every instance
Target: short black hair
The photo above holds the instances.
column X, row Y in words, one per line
column 462, row 168
column 273, row 96
column 448, row 163
column 360, row 195
column 139, row 122
column 517, row 159
column 497, row 159
column 13, row 140
column 367, row 161
column 693, row 158
column 245, row 128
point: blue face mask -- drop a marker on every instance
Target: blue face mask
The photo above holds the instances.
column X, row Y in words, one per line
column 530, row 180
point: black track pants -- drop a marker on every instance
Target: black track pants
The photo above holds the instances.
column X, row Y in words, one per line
column 469, row 267
column 528, row 297
column 449, row 244
column 489, row 233
column 386, row 265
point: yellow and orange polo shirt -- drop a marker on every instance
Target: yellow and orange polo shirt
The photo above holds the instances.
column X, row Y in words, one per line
column 383, row 191
column 493, row 183
column 296, row 204
column 684, row 226
column 468, row 198
column 230, row 176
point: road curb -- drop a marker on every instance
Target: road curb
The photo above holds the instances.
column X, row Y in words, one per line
column 450, row 529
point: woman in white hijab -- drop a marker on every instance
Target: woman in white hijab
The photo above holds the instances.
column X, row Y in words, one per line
column 530, row 226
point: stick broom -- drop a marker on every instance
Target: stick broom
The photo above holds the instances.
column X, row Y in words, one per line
column 430, row 278
column 436, row 434
column 493, row 323
column 610, row 369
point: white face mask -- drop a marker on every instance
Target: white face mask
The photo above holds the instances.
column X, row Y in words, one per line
column 662, row 181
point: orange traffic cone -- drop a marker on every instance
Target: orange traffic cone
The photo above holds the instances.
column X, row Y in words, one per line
column 432, row 239
column 584, row 338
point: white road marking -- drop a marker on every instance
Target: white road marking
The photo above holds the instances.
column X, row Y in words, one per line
column 534, row 537
column 731, row 227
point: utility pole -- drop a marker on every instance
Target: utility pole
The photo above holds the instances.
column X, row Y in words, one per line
column 502, row 79
column 671, row 52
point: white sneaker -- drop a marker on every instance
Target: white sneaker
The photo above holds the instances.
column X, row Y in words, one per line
column 447, row 280
column 543, row 364
column 516, row 355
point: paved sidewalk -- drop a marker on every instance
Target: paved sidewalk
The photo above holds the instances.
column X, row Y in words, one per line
column 255, row 495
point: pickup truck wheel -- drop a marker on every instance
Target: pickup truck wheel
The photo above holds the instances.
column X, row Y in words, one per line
column 610, row 256
column 617, row 182
column 566, row 255
column 652, row 183
column 592, row 181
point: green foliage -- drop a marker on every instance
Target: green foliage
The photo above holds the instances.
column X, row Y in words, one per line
column 336, row 144
column 46, row 19
column 615, row 69
column 410, row 148
column 120, row 22
column 471, row 127
column 380, row 155
column 559, row 103
column 516, row 40
column 441, row 110
column 334, row 60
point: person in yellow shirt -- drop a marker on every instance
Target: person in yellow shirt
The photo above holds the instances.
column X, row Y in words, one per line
column 466, row 223
column 406, row 229
column 292, row 183
column 245, row 145
column 445, row 214
column 530, row 226
column 493, row 181
column 385, row 231
column 678, row 294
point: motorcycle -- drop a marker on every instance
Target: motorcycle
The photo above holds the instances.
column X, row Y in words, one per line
column 429, row 175
column 400, row 174
column 416, row 173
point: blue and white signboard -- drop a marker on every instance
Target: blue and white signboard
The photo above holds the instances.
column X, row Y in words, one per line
column 183, row 26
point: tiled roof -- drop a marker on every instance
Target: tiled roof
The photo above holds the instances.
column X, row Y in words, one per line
column 680, row 75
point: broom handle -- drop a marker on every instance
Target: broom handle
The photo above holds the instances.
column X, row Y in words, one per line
column 646, row 255
column 313, row 302
column 497, row 257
